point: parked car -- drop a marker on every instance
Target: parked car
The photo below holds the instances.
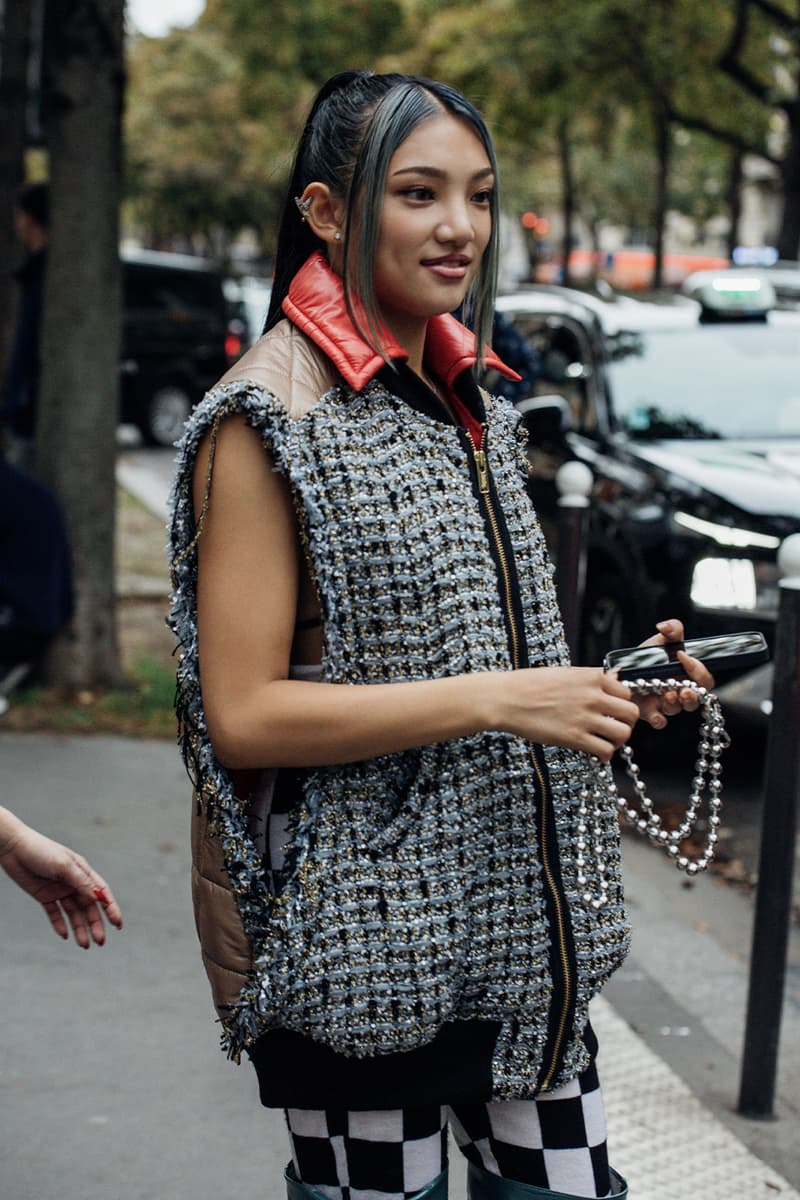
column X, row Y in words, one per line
column 178, row 338
column 690, row 422
column 248, row 295
column 783, row 277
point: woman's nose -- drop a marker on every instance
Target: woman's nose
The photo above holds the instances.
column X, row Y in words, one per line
column 456, row 225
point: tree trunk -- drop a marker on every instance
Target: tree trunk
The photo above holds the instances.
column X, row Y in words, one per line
column 594, row 238
column 13, row 99
column 78, row 403
column 789, row 236
column 567, row 196
column 663, row 147
column 734, row 199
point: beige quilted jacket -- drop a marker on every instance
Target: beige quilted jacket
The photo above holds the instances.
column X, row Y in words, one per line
column 288, row 365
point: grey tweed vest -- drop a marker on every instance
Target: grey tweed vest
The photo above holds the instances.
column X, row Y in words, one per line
column 439, row 883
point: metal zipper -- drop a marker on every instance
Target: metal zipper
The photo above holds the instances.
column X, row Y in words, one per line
column 482, row 468
column 483, row 484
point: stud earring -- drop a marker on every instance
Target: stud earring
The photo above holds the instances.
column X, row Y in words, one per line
column 303, row 206
column 337, row 237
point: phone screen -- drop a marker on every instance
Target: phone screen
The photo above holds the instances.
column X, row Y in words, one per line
column 731, row 650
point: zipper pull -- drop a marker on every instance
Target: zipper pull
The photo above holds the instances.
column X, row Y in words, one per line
column 483, row 471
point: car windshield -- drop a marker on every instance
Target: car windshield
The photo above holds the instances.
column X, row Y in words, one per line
column 738, row 380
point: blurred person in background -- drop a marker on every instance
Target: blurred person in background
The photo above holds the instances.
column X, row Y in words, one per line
column 21, row 384
column 36, row 598
column 69, row 890
column 516, row 352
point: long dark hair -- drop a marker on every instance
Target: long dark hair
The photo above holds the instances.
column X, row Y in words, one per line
column 356, row 123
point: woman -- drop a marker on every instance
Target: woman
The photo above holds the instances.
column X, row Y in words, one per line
column 406, row 879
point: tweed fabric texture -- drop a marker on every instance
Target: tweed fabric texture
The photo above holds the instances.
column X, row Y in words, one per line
column 412, row 892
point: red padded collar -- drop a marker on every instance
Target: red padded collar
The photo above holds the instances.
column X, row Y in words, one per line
column 316, row 305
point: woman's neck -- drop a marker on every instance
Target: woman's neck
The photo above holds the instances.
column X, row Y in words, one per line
column 410, row 333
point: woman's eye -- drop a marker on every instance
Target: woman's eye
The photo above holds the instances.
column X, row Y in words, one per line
column 419, row 193
column 483, row 197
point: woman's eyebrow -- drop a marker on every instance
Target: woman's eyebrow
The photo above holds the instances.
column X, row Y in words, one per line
column 436, row 173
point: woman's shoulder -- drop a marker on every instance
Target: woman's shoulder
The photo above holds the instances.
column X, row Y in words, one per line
column 288, row 365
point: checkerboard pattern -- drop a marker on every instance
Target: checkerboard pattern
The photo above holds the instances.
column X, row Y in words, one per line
column 556, row 1141
column 385, row 1155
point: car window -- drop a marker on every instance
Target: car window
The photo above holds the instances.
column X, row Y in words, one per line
column 565, row 363
column 711, row 381
column 162, row 290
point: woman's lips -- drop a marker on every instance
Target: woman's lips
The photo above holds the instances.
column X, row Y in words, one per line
column 450, row 266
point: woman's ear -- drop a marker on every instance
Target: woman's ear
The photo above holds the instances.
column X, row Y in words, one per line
column 323, row 212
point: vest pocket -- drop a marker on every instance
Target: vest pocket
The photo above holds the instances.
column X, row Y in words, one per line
column 368, row 947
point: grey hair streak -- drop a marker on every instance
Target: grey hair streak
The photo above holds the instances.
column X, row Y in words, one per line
column 396, row 116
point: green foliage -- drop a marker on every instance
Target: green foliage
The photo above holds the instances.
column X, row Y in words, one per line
column 197, row 160
column 214, row 111
column 144, row 709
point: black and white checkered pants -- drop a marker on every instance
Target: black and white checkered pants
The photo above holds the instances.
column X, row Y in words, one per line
column 556, row 1141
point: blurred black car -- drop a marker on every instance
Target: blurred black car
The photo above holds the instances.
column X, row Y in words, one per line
column 178, row 337
column 689, row 418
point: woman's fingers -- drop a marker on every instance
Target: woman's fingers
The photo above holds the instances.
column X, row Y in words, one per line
column 78, row 920
column 103, row 894
column 617, row 701
column 56, row 917
column 656, row 709
column 668, row 631
column 92, row 896
column 615, row 732
column 697, row 671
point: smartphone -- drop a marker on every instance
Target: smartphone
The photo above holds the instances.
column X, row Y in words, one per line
column 722, row 654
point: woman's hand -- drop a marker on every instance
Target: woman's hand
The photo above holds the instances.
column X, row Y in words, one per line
column 584, row 708
column 63, row 882
column 656, row 709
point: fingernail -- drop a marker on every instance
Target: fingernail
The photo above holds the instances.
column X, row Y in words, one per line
column 663, row 624
column 100, row 895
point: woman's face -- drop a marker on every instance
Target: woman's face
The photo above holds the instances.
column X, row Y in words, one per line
column 435, row 222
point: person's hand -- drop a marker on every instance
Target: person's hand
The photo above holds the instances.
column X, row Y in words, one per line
column 656, row 709
column 63, row 882
column 584, row 708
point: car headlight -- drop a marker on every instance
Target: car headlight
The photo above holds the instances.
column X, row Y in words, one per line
column 736, row 583
column 727, row 535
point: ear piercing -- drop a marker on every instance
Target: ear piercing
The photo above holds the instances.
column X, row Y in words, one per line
column 303, row 207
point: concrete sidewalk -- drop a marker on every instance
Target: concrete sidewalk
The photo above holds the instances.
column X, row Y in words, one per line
column 112, row 1086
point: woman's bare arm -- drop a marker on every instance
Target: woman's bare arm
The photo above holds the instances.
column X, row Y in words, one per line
column 256, row 716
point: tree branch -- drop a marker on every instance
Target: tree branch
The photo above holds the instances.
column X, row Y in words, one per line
column 727, row 136
column 776, row 14
column 729, row 62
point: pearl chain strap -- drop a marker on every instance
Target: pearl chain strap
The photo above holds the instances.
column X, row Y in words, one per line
column 705, row 784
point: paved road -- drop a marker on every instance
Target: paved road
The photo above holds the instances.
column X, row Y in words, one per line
column 147, row 474
column 112, row 1086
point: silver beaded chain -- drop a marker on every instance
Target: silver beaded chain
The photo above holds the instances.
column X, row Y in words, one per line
column 706, row 784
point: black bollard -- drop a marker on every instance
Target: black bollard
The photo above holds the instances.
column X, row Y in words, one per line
column 777, row 852
column 574, row 481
